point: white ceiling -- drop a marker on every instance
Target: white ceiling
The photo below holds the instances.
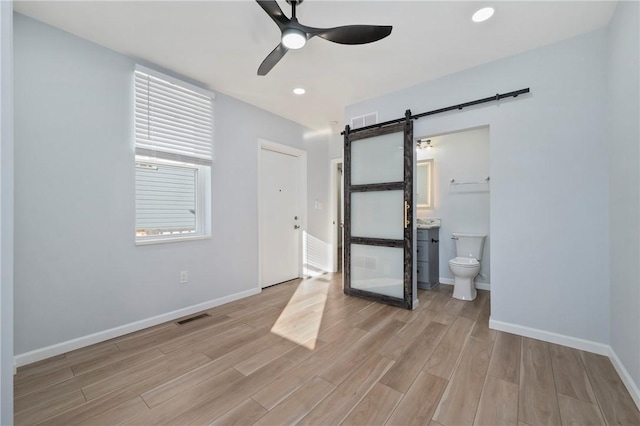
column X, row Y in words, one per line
column 222, row 43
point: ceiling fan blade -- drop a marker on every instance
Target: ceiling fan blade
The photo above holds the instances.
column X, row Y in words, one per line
column 274, row 11
column 351, row 34
column 272, row 59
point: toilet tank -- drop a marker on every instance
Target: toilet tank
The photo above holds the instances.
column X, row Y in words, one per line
column 469, row 245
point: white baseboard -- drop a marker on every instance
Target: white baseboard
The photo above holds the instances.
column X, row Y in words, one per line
column 101, row 336
column 631, row 386
column 479, row 286
column 548, row 336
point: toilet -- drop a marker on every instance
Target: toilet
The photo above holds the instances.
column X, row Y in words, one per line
column 466, row 265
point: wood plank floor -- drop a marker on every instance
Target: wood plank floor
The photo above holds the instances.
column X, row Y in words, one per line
column 303, row 353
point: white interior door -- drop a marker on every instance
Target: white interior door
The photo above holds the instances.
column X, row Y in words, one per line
column 341, row 211
column 338, row 190
column 279, row 217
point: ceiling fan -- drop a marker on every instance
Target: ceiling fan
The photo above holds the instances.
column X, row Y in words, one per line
column 295, row 35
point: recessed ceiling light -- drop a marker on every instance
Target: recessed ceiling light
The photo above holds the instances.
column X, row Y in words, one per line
column 482, row 14
column 299, row 91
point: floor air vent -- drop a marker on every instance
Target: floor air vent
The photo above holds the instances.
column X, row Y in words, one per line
column 197, row 317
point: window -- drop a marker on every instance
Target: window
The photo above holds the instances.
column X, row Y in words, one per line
column 174, row 154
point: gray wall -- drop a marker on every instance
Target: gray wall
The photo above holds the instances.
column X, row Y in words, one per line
column 336, row 145
column 77, row 269
column 549, row 179
column 624, row 199
column 6, row 216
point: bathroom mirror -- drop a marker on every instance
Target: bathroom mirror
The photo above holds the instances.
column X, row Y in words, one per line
column 424, row 184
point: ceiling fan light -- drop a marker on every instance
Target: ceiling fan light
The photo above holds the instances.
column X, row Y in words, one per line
column 293, row 38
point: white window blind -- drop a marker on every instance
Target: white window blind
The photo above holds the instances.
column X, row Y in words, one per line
column 165, row 199
column 172, row 121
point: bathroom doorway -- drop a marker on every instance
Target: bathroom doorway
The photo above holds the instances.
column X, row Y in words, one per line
column 461, row 191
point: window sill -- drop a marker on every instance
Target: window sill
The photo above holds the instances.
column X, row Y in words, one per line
column 151, row 241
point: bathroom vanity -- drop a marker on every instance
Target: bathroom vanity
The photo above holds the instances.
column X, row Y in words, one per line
column 428, row 253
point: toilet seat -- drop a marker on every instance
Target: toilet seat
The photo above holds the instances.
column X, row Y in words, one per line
column 464, row 262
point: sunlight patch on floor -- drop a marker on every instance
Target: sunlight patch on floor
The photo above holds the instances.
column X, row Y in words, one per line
column 300, row 320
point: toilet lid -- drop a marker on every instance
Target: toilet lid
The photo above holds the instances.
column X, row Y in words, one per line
column 464, row 261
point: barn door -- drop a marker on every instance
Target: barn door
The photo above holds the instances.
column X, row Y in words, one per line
column 378, row 214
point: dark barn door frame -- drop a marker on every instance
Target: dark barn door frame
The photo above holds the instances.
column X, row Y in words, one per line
column 406, row 127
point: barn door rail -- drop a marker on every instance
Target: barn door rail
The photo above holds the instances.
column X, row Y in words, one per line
column 493, row 98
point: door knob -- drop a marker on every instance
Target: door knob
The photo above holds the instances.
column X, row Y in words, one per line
column 296, row 226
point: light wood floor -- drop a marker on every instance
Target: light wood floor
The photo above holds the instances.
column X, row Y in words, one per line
column 304, row 353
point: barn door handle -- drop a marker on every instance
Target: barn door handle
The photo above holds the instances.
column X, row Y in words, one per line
column 407, row 222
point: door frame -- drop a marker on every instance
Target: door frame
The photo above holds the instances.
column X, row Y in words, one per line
column 333, row 206
column 264, row 144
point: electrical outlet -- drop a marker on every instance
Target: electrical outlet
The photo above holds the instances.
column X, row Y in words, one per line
column 184, row 277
